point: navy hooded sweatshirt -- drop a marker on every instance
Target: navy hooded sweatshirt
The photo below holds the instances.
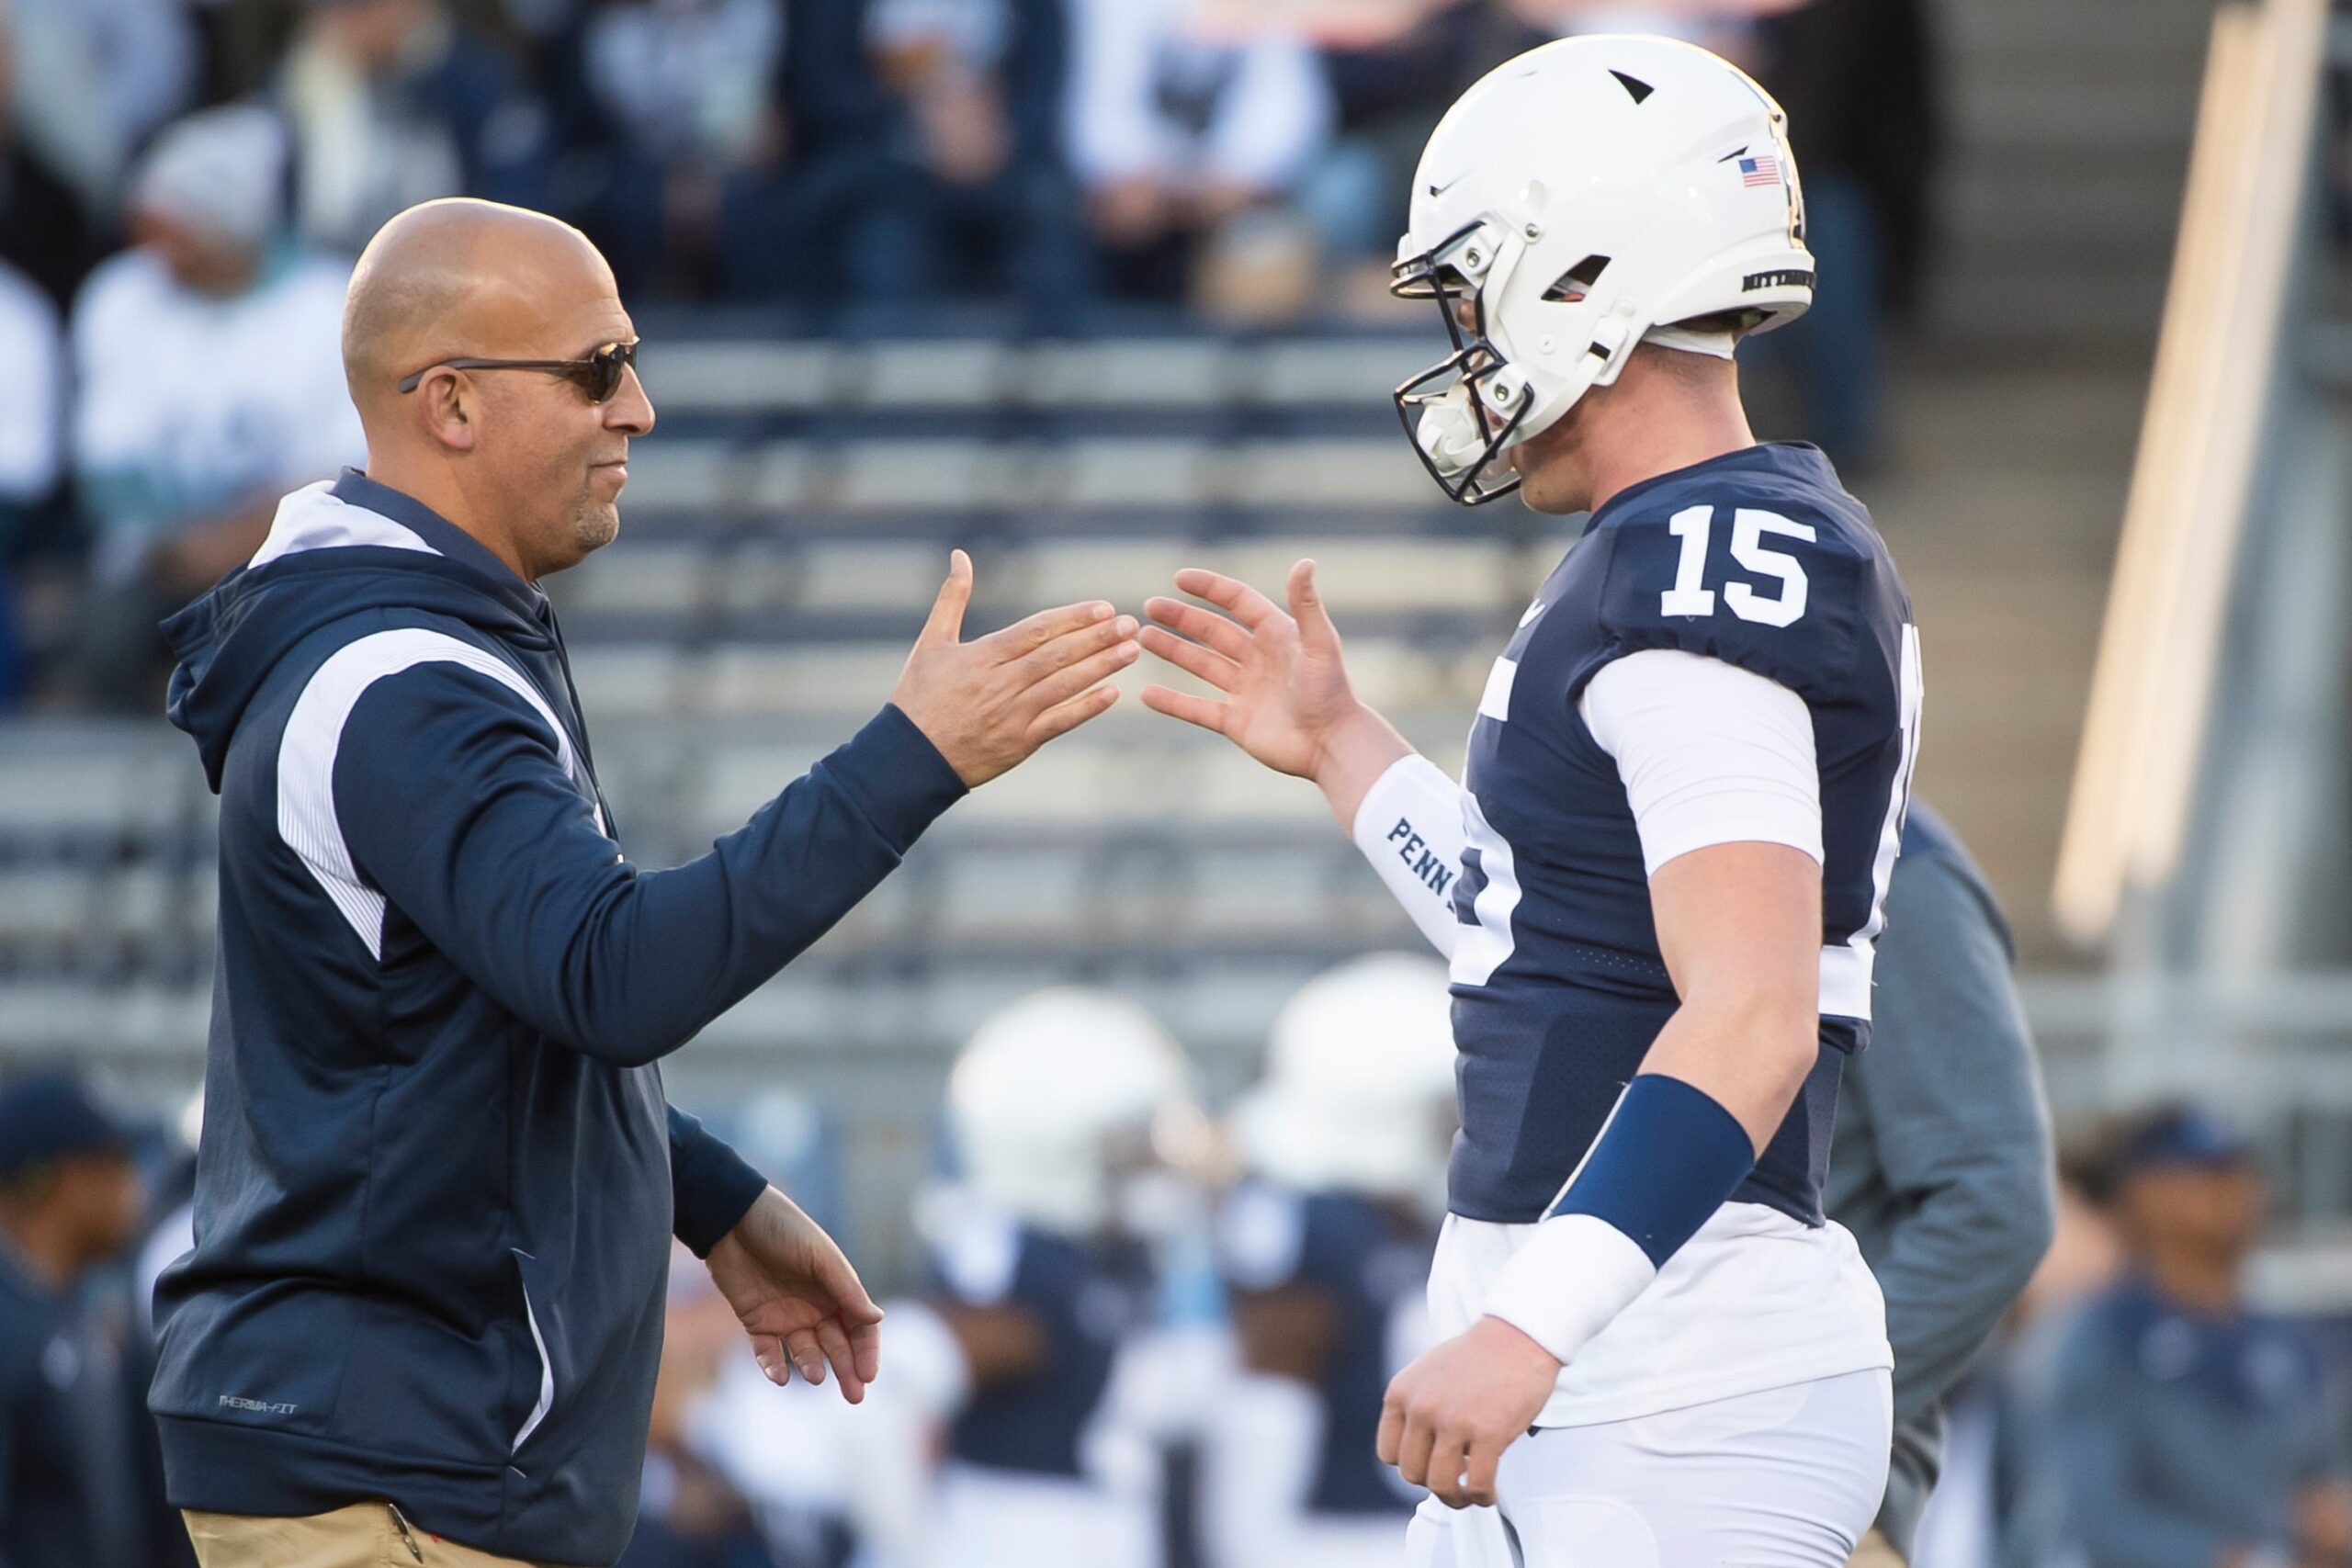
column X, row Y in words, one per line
column 438, row 1177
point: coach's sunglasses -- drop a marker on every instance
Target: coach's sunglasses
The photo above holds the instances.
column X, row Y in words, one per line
column 599, row 375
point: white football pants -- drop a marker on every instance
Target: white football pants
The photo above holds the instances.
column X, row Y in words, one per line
column 1788, row 1478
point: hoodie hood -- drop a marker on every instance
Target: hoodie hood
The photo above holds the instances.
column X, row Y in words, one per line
column 336, row 549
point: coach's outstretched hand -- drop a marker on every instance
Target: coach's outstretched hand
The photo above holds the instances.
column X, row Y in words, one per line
column 1288, row 700
column 798, row 1297
column 989, row 703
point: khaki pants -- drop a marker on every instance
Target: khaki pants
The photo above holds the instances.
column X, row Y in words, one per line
column 365, row 1535
column 1874, row 1553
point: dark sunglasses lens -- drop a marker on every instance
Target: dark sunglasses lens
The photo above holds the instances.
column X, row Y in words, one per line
column 600, row 373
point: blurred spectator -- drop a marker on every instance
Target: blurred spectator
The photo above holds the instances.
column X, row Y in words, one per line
column 69, row 1199
column 1941, row 1165
column 30, row 448
column 829, row 211
column 208, row 363
column 2181, row 1428
column 681, row 88
column 1187, row 142
column 984, row 82
column 394, row 102
column 1326, row 1248
column 690, row 1516
column 1389, row 86
column 1858, row 78
column 45, row 230
column 96, row 78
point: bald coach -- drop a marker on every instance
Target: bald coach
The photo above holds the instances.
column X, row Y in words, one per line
column 439, row 1178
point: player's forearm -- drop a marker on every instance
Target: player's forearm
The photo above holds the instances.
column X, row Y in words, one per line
column 1749, row 1052
column 1350, row 757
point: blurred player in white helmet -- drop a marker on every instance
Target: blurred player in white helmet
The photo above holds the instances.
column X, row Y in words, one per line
column 1067, row 1110
column 1325, row 1246
column 1660, row 881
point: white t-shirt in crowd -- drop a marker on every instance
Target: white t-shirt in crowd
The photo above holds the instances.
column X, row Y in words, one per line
column 188, row 406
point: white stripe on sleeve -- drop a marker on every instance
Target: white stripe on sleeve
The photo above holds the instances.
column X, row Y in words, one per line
column 306, row 753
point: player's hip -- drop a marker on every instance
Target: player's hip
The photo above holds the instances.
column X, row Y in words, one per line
column 1780, row 1478
column 1756, row 1301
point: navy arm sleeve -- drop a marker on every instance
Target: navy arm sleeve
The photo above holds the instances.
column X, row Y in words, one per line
column 1949, row 1087
column 711, row 1186
column 452, row 799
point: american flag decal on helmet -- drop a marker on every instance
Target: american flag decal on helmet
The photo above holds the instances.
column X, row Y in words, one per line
column 1761, row 171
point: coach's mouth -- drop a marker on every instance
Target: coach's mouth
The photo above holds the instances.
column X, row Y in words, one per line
column 617, row 466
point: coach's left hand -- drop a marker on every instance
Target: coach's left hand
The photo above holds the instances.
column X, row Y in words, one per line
column 798, row 1297
column 1449, row 1415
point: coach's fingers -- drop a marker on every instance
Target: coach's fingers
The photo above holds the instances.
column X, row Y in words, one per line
column 1077, row 652
column 1193, row 658
column 774, row 1365
column 946, row 623
column 1084, row 708
column 1244, row 603
column 1201, row 626
column 1388, row 1445
column 1206, row 712
column 1063, row 685
column 834, row 1340
column 865, row 1346
column 1072, row 648
column 1026, row 636
column 808, row 1359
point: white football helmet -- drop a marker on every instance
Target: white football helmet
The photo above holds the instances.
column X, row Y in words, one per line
column 1358, row 1095
column 1062, row 1098
column 1585, row 196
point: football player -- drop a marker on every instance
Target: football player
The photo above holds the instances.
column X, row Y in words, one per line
column 1661, row 880
column 1324, row 1249
column 1064, row 1108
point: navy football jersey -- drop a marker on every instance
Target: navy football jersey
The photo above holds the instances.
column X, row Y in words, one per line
column 1087, row 1298
column 1367, row 1265
column 1760, row 558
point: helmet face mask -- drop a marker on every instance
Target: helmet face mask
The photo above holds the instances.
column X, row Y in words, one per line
column 1461, row 413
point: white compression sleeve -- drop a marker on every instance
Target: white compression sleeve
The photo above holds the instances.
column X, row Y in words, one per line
column 1709, row 753
column 1409, row 827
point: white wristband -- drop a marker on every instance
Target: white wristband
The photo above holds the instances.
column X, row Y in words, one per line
column 1409, row 827
column 1568, row 1281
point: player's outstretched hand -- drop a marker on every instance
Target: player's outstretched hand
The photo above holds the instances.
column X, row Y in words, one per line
column 798, row 1297
column 1449, row 1415
column 989, row 703
column 1287, row 698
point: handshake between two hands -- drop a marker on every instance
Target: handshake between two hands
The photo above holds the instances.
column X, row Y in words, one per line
column 990, row 703
column 1285, row 698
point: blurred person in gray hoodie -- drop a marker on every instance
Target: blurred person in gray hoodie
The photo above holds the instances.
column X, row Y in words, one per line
column 1942, row 1165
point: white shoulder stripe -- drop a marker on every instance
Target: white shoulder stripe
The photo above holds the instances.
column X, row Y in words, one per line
column 315, row 518
column 306, row 753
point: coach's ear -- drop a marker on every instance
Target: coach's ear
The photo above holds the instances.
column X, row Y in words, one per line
column 447, row 407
